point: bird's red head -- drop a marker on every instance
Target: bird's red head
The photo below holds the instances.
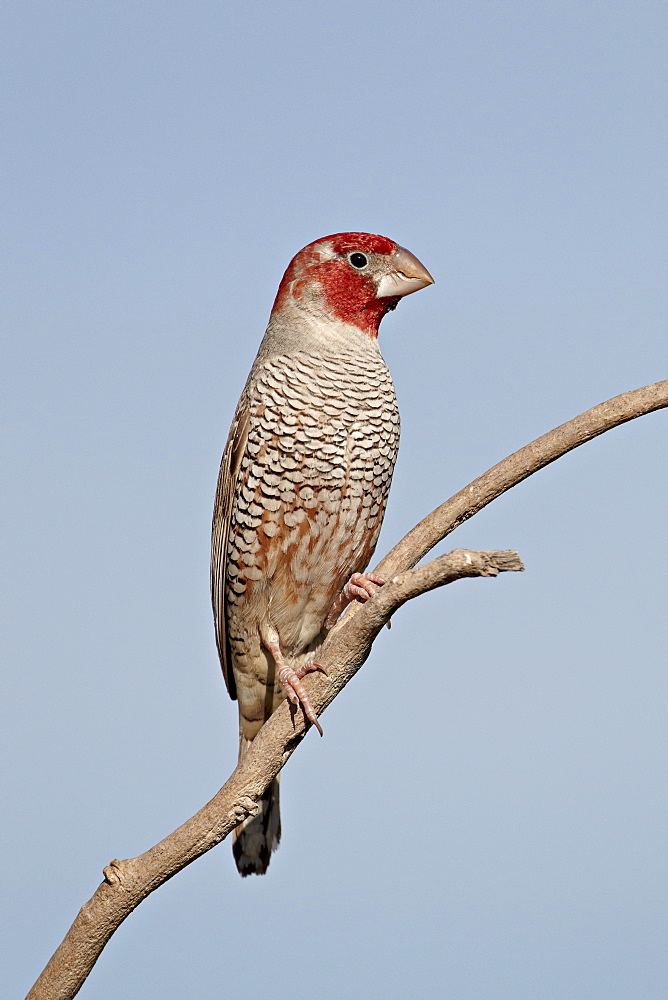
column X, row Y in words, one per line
column 357, row 277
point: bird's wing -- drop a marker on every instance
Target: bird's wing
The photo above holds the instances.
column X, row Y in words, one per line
column 227, row 484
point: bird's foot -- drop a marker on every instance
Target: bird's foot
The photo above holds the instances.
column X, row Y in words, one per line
column 360, row 587
column 297, row 695
column 291, row 679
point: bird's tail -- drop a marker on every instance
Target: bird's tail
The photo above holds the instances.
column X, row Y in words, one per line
column 258, row 836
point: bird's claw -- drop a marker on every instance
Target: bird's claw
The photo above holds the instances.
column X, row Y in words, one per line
column 360, row 586
column 296, row 693
column 309, row 668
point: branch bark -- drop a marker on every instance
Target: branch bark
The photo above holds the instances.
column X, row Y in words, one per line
column 127, row 883
column 517, row 467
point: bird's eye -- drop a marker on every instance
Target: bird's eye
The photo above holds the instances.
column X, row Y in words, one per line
column 358, row 260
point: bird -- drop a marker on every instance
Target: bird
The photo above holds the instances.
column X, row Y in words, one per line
column 303, row 485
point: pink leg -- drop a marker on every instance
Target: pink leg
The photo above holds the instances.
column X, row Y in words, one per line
column 360, row 586
column 291, row 679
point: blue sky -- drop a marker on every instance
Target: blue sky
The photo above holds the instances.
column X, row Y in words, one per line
column 485, row 816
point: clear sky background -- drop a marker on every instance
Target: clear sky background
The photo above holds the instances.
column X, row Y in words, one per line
column 485, row 818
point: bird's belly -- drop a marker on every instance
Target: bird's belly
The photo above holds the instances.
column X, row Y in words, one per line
column 294, row 583
column 307, row 582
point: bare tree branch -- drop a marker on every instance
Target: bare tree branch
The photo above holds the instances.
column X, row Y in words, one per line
column 128, row 882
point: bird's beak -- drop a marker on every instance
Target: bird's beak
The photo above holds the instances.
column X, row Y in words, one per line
column 407, row 275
